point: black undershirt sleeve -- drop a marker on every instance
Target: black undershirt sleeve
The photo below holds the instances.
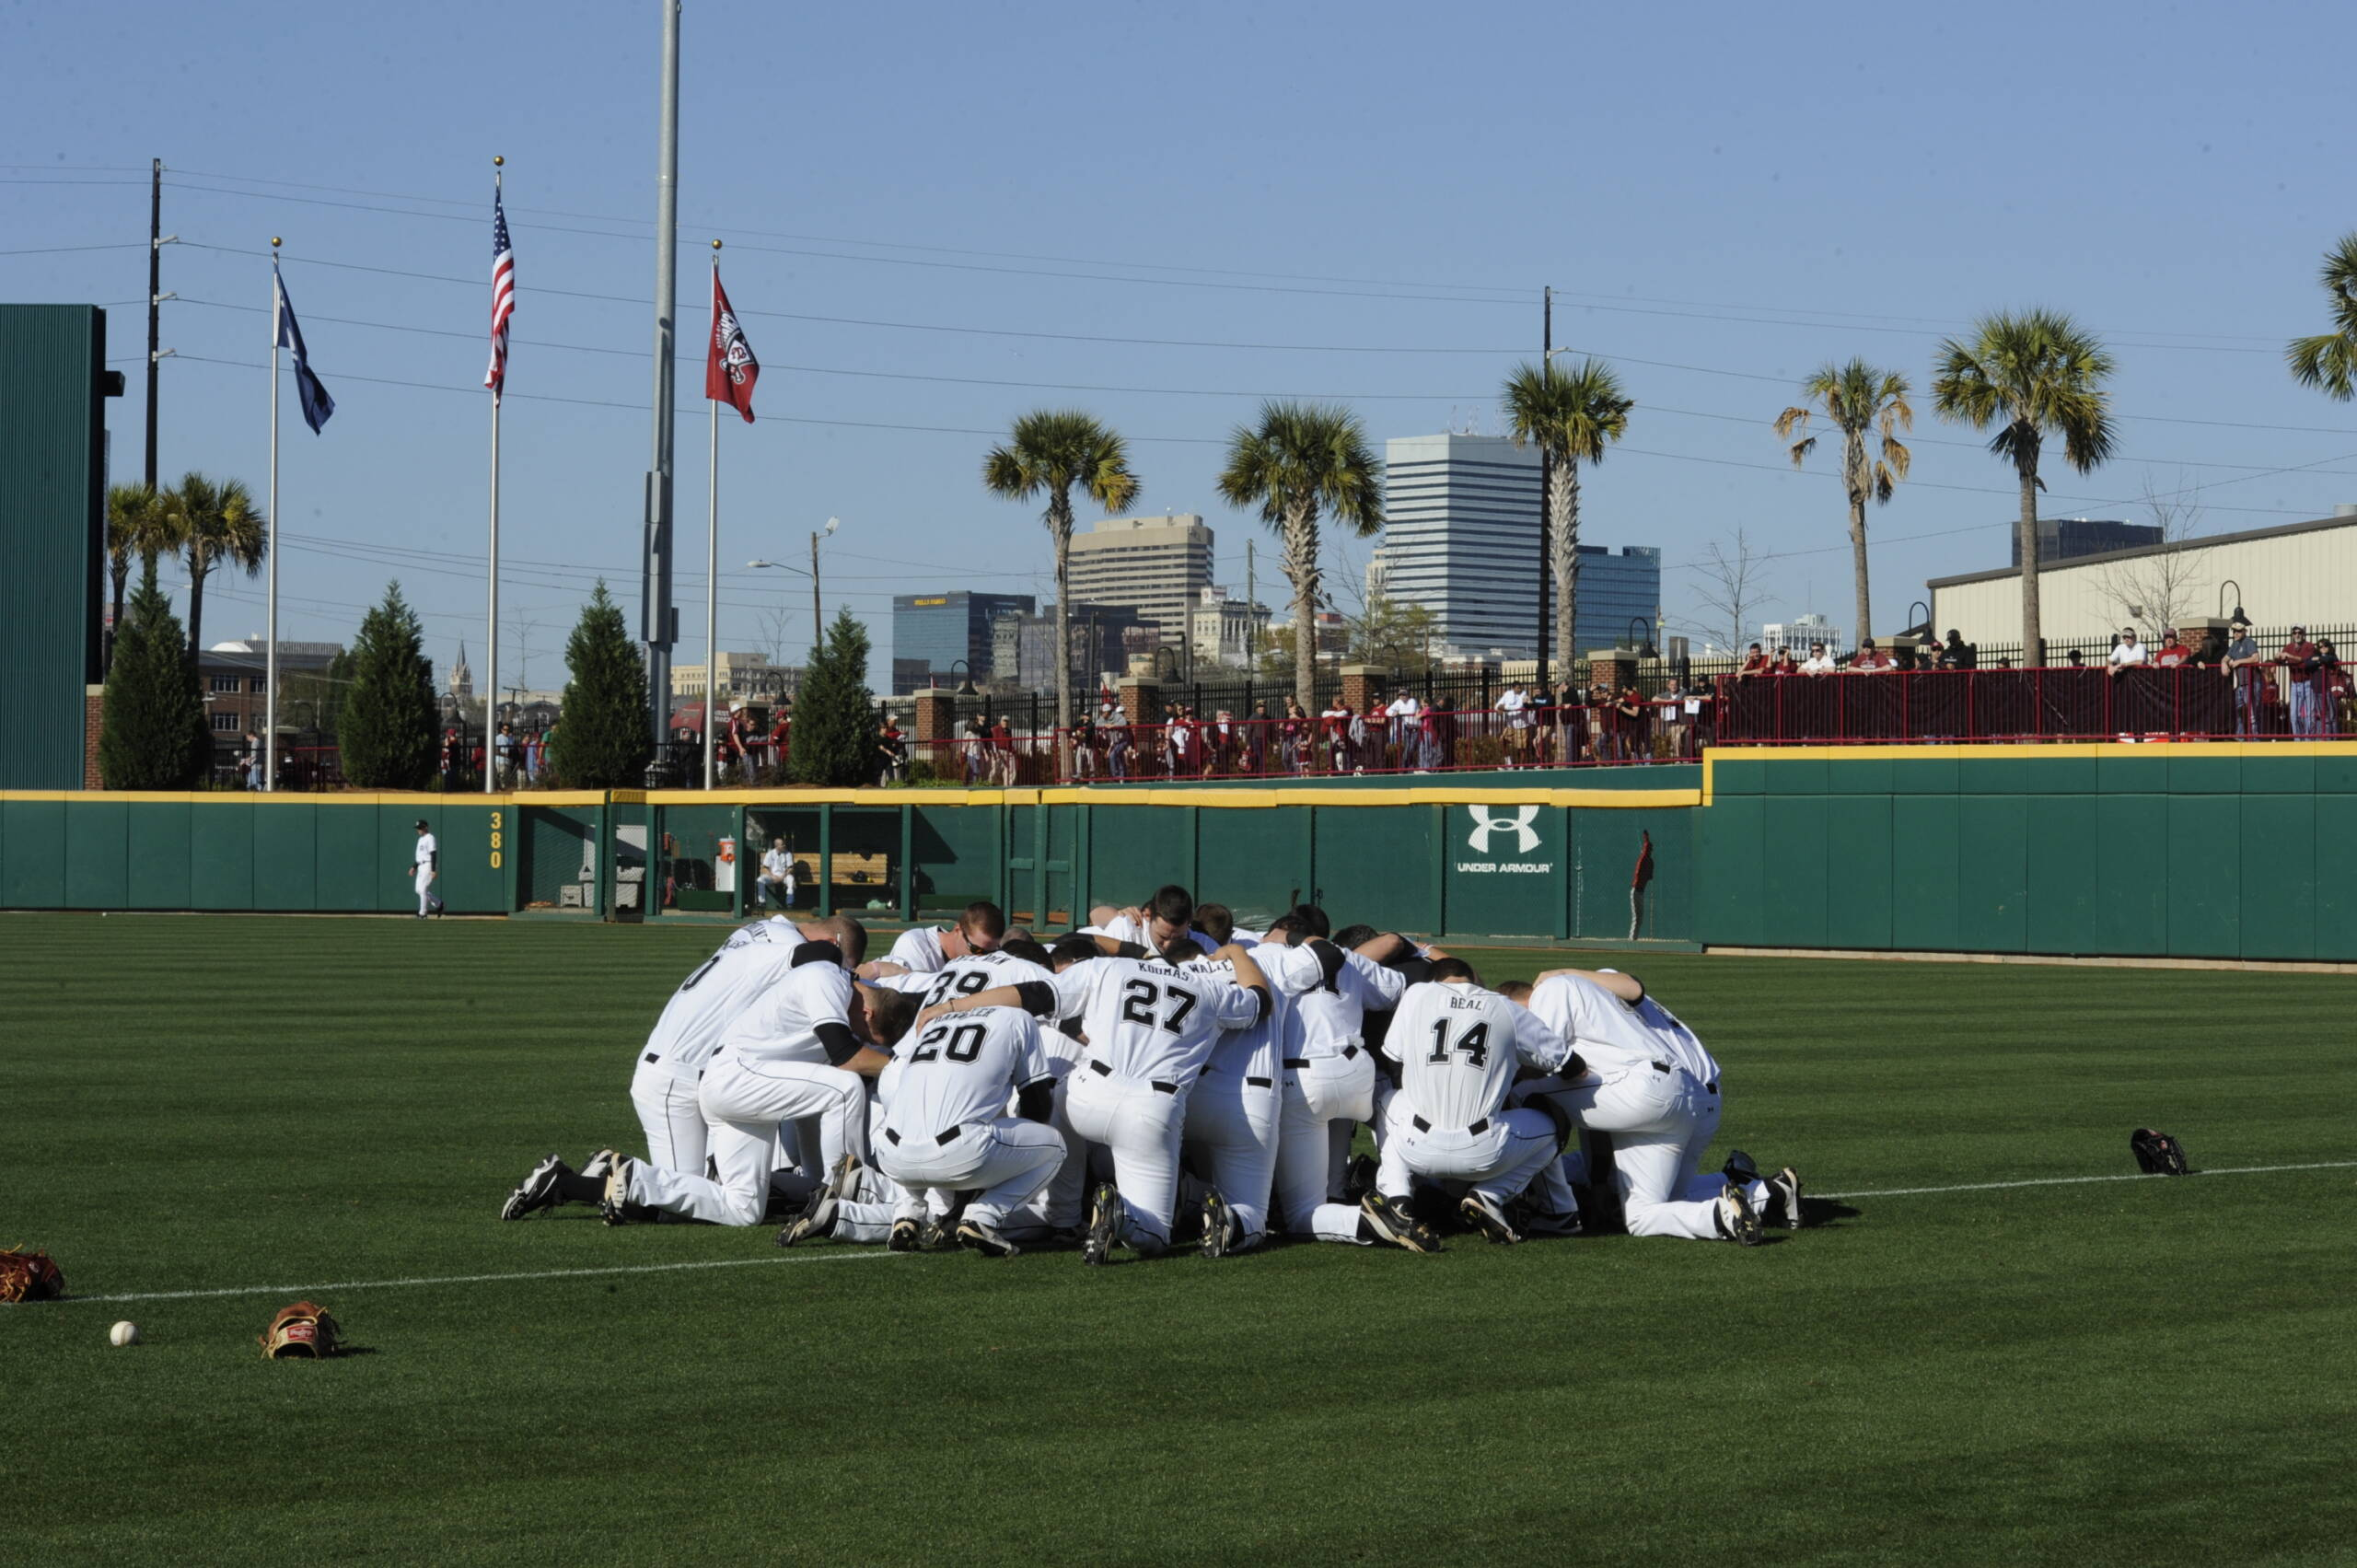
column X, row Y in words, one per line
column 1037, row 997
column 1330, row 958
column 1033, row 1102
column 1130, row 951
column 1260, row 993
column 816, row 953
column 837, row 1039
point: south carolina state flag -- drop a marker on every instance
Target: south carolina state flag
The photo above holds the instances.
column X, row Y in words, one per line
column 729, row 368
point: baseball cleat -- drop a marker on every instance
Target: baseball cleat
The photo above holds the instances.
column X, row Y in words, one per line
column 537, row 1191
column 907, row 1236
column 1785, row 1199
column 598, row 1165
column 1390, row 1220
column 1358, row 1178
column 940, row 1234
column 1104, row 1224
column 1567, row 1224
column 976, row 1236
column 1487, row 1218
column 617, row 1194
column 1734, row 1217
column 817, row 1218
column 843, row 1177
column 1220, row 1226
column 1740, row 1168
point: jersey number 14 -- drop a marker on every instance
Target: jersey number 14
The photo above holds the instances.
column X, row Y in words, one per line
column 1474, row 1044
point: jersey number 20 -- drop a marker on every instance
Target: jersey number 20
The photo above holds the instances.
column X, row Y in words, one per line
column 964, row 1043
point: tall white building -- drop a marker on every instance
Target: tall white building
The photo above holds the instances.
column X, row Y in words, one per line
column 1800, row 631
column 1461, row 538
column 1157, row 566
column 1226, row 629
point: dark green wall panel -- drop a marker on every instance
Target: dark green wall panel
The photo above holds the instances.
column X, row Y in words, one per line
column 2132, row 775
column 221, row 856
column 286, row 854
column 1374, row 865
column 2062, row 874
column 1253, row 859
column 2204, row 850
column 1605, row 846
column 1730, row 872
column 1859, row 911
column 346, row 876
column 2337, row 876
column 1925, row 775
column 2279, row 876
column 1993, row 873
column 158, row 841
column 397, row 853
column 1135, row 849
column 2279, row 775
column 2131, row 906
column 1926, row 844
column 32, row 854
column 1794, row 873
column 98, row 853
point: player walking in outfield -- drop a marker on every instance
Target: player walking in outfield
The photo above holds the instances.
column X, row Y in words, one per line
column 1459, row 1050
column 428, row 866
column 922, row 949
column 1150, row 1027
column 1649, row 1081
column 664, row 1084
column 948, row 1132
column 800, row 1051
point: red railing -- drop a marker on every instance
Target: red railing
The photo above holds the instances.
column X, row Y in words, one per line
column 2069, row 703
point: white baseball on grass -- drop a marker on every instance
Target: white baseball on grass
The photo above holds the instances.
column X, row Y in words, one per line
column 124, row 1334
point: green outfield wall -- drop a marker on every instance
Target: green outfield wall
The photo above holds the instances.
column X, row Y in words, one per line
column 2205, row 851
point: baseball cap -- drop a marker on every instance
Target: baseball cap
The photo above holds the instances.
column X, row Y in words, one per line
column 421, row 823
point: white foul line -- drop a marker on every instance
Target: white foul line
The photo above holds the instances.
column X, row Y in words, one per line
column 2080, row 1180
column 481, row 1279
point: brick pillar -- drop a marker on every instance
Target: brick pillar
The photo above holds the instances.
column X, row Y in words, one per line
column 1614, row 666
column 1362, row 683
column 94, row 721
column 1141, row 699
column 937, row 720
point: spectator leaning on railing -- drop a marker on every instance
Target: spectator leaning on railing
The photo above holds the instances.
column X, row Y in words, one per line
column 1753, row 663
column 2242, row 664
column 2128, row 652
column 2172, row 653
column 2302, row 663
column 1870, row 659
column 1819, row 662
column 2335, row 682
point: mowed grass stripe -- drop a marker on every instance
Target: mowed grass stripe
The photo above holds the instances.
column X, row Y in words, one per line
column 206, row 1103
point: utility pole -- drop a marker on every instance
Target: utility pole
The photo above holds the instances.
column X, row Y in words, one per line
column 658, row 621
column 1546, row 486
column 817, row 628
column 1251, row 626
column 154, row 301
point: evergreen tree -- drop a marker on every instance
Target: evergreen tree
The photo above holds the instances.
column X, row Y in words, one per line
column 386, row 731
column 835, row 717
column 156, row 734
column 601, row 740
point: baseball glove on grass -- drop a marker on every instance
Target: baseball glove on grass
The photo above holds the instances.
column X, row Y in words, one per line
column 2157, row 1154
column 28, row 1276
column 303, row 1328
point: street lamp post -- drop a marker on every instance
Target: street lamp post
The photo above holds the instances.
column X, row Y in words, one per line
column 817, row 629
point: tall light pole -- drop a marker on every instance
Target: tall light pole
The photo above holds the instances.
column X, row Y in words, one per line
column 657, row 619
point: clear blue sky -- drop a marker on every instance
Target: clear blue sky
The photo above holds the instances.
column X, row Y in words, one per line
column 1726, row 197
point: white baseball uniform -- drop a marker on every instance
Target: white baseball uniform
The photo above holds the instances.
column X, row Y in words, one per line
column 428, row 902
column 947, row 1129
column 771, row 1067
column 918, row 949
column 1651, row 1085
column 1456, row 1044
column 1150, row 1027
column 1232, row 1111
column 1329, row 1078
column 664, row 1087
column 1122, row 928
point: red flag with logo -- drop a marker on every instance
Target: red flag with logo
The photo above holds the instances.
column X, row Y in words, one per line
column 729, row 369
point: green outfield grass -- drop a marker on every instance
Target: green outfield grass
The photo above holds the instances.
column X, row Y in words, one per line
column 2117, row 1372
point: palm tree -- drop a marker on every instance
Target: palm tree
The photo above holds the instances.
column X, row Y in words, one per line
column 1571, row 416
column 1857, row 398
column 2032, row 373
column 138, row 526
column 217, row 522
column 2329, row 362
column 1304, row 459
column 1048, row 452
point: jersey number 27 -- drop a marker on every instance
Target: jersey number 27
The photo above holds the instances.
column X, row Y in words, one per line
column 1140, row 998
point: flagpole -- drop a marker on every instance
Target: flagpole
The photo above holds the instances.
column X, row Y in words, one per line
column 712, row 559
column 490, row 643
column 270, row 543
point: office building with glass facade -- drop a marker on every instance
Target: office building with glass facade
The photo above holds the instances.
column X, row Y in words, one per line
column 941, row 629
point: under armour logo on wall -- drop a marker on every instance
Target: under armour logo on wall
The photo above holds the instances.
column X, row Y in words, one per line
column 1516, row 821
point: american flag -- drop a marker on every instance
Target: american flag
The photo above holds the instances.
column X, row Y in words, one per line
column 502, row 293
